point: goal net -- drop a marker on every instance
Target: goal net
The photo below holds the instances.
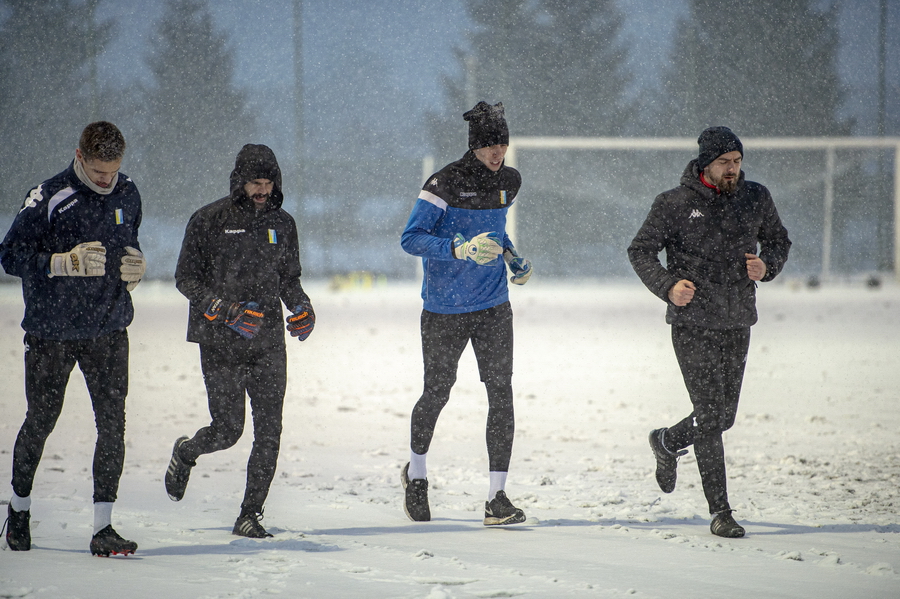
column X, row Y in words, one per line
column 583, row 199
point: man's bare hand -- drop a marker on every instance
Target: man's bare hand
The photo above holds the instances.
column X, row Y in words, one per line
column 756, row 268
column 682, row 293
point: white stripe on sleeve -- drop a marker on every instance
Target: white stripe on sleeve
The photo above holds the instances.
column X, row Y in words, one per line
column 432, row 199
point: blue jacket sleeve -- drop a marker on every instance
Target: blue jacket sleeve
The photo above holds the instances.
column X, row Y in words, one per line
column 418, row 237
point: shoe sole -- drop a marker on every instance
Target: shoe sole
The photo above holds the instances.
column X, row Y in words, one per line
column 516, row 518
column 268, row 535
column 404, row 481
column 178, row 442
column 108, row 553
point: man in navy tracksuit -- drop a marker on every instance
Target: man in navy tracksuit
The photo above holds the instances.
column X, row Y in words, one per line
column 721, row 235
column 240, row 259
column 458, row 228
column 75, row 246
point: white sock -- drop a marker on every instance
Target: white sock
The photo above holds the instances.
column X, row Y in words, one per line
column 20, row 504
column 498, row 483
column 417, row 468
column 102, row 515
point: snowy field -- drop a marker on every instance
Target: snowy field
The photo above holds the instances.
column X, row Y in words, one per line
column 814, row 460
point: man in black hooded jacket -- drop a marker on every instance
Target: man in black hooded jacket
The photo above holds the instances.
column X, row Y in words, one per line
column 721, row 235
column 239, row 261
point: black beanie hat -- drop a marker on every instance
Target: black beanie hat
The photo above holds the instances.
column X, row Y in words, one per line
column 487, row 126
column 716, row 141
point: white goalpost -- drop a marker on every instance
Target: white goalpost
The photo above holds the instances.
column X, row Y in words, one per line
column 828, row 145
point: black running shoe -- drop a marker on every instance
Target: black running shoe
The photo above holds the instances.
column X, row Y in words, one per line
column 18, row 530
column 178, row 473
column 415, row 503
column 500, row 510
column 108, row 541
column 666, row 461
column 247, row 525
column 723, row 525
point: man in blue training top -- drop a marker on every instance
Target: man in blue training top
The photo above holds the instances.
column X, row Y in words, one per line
column 458, row 227
column 74, row 245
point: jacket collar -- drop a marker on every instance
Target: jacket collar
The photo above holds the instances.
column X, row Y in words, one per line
column 690, row 178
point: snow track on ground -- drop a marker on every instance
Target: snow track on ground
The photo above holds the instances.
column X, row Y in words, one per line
column 814, row 460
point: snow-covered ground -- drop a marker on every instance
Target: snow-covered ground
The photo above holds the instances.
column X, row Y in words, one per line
column 814, row 460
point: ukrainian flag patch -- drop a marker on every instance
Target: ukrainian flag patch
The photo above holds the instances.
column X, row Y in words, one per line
column 120, row 218
column 273, row 236
column 502, row 197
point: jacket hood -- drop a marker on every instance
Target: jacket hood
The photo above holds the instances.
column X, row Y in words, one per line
column 256, row 161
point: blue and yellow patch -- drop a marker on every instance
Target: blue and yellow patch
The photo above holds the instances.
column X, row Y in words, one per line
column 273, row 236
column 120, row 216
column 502, row 197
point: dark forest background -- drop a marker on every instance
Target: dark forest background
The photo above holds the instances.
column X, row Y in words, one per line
column 360, row 96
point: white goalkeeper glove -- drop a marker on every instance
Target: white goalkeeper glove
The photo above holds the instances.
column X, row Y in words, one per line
column 481, row 249
column 84, row 260
column 519, row 267
column 133, row 267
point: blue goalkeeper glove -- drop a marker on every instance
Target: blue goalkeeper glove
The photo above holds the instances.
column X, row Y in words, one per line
column 481, row 249
column 301, row 321
column 242, row 317
column 518, row 266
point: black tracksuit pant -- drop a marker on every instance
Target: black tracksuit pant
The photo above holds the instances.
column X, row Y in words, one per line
column 712, row 363
column 48, row 364
column 230, row 372
column 444, row 337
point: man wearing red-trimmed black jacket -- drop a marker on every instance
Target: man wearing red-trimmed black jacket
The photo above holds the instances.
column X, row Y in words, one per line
column 239, row 261
column 74, row 244
column 722, row 235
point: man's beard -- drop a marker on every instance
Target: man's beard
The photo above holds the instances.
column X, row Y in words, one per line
column 725, row 185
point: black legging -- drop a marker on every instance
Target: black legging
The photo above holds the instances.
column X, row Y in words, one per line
column 444, row 337
column 48, row 364
column 229, row 373
column 712, row 364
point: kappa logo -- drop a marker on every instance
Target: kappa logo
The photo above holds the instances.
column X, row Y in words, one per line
column 232, row 231
column 33, row 198
column 433, row 182
column 695, row 213
column 66, row 207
